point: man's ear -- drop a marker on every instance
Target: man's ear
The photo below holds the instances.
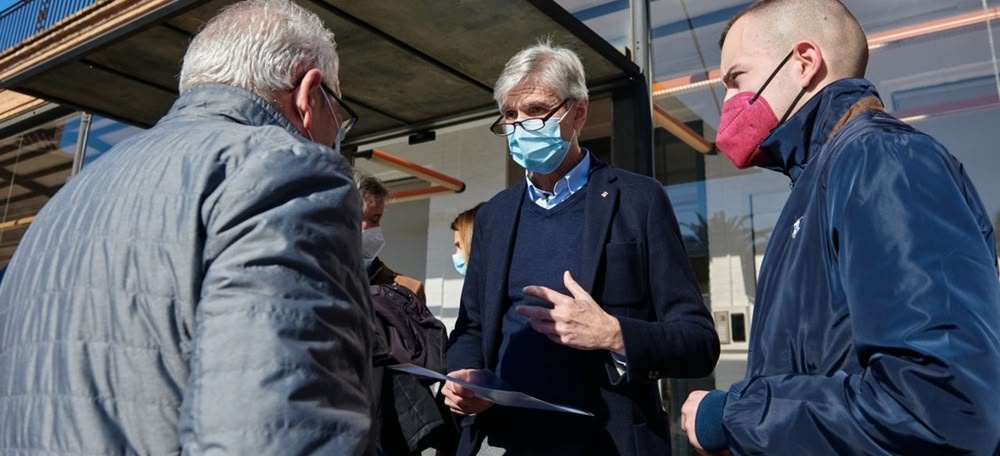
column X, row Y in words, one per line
column 809, row 63
column 306, row 97
column 580, row 118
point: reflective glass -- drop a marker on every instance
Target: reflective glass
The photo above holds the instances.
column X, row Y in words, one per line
column 33, row 166
column 104, row 134
column 611, row 19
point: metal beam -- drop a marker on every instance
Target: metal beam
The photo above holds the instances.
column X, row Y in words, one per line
column 378, row 111
column 6, row 176
column 126, row 76
column 681, row 131
column 587, row 35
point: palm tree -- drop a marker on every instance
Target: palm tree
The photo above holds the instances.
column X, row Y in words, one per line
column 740, row 239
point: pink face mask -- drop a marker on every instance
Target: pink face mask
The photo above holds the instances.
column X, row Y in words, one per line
column 747, row 120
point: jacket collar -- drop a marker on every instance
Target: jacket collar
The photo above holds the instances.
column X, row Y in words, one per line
column 602, row 200
column 233, row 103
column 602, row 204
column 803, row 135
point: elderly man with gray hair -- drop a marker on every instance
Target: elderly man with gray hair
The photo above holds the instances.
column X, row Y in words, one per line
column 578, row 289
column 201, row 287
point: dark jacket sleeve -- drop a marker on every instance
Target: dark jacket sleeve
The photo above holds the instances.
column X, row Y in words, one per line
column 281, row 349
column 920, row 281
column 465, row 344
column 680, row 340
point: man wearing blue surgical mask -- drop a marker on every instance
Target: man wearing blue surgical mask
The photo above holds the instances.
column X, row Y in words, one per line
column 578, row 290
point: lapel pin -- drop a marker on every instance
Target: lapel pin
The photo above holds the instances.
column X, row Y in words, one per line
column 604, row 195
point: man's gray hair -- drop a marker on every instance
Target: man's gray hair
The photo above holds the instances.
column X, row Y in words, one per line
column 369, row 185
column 262, row 46
column 546, row 65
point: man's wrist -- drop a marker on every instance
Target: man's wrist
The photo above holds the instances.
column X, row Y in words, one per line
column 616, row 343
column 708, row 422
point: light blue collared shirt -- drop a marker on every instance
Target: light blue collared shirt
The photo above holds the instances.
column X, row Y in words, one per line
column 571, row 183
column 565, row 187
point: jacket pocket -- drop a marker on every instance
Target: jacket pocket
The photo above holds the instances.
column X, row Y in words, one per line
column 624, row 275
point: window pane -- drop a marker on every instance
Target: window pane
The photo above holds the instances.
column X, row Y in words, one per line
column 104, row 134
column 33, row 166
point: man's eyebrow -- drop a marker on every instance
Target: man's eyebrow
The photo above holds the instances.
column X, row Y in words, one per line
column 526, row 106
column 543, row 104
column 727, row 78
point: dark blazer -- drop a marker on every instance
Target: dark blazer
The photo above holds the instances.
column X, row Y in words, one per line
column 635, row 266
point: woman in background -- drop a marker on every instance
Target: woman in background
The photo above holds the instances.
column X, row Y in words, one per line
column 463, row 238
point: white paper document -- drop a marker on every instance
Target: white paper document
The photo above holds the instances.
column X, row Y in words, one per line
column 488, row 386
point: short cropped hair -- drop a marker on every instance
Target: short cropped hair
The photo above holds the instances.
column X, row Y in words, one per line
column 369, row 185
column 842, row 37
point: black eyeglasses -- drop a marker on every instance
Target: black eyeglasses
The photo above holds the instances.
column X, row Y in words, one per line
column 346, row 124
column 533, row 124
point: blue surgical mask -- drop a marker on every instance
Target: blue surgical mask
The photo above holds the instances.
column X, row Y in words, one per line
column 540, row 151
column 459, row 259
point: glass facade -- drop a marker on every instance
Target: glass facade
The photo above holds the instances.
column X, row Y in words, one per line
column 34, row 164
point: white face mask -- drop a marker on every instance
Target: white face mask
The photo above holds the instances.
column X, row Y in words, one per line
column 372, row 242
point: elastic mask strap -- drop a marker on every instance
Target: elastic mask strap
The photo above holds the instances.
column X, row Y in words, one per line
column 773, row 74
column 788, row 112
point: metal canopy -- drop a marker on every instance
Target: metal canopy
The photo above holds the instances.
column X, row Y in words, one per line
column 405, row 66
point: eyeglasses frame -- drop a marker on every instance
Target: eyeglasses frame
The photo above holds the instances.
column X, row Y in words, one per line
column 520, row 123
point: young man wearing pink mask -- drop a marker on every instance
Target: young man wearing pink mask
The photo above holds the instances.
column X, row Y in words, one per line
column 878, row 305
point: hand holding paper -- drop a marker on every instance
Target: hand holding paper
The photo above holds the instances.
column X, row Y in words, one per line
column 471, row 391
column 460, row 399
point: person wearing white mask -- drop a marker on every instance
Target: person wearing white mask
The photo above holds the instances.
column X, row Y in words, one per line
column 373, row 195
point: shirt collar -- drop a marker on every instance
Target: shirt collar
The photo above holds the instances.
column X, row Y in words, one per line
column 565, row 187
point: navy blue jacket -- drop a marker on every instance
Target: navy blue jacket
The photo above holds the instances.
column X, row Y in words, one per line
column 635, row 266
column 876, row 328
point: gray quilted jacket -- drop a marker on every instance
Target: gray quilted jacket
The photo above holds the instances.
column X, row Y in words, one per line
column 197, row 290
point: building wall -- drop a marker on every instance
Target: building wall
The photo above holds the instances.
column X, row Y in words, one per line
column 470, row 153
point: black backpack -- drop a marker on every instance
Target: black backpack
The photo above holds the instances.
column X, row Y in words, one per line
column 406, row 330
column 408, row 416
